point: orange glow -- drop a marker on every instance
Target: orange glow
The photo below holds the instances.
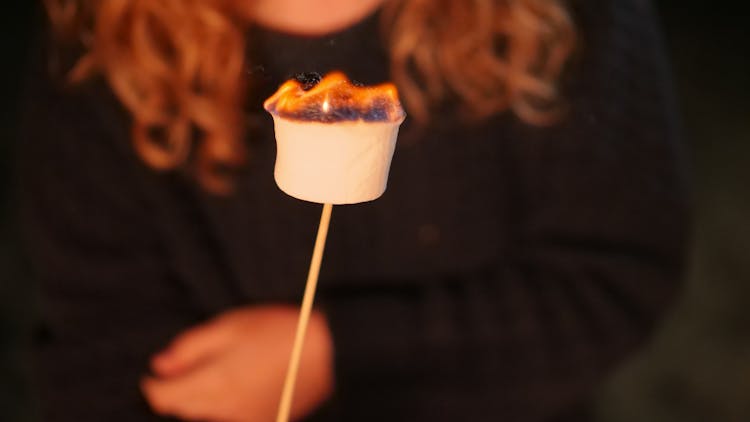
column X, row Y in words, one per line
column 336, row 99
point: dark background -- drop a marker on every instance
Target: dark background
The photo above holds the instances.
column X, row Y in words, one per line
column 15, row 303
column 698, row 365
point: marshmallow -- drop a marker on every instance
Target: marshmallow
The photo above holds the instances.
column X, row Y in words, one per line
column 335, row 141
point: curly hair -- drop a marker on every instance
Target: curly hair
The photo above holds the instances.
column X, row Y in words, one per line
column 177, row 66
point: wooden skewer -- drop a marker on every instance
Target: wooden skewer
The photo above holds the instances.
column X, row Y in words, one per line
column 304, row 317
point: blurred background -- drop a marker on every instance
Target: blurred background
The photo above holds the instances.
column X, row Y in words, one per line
column 15, row 295
column 698, row 365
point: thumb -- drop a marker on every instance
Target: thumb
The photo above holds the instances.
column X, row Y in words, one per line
column 192, row 347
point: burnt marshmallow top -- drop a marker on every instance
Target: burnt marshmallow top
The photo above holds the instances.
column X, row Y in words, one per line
column 334, row 98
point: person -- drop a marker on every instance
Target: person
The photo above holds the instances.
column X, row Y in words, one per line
column 531, row 237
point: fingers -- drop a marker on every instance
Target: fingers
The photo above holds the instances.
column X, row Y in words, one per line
column 233, row 368
column 212, row 392
column 188, row 397
column 192, row 347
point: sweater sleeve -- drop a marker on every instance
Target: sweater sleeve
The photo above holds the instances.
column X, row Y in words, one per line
column 596, row 258
column 95, row 255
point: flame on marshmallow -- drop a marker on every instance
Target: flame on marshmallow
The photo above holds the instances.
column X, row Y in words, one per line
column 336, row 99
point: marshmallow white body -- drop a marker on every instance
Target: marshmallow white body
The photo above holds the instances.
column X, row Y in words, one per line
column 334, row 163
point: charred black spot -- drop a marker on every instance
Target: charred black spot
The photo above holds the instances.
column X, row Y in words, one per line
column 308, row 80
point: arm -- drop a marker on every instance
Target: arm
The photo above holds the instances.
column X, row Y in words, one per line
column 595, row 260
column 102, row 277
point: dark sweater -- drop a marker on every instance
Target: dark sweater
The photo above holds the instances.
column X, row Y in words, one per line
column 502, row 276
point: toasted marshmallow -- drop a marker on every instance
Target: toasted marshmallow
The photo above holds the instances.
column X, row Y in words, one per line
column 335, row 141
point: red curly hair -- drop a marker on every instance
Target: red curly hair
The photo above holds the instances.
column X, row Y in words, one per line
column 177, row 66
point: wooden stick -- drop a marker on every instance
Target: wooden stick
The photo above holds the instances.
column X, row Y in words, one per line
column 304, row 316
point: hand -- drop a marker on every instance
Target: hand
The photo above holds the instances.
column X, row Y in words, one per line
column 232, row 368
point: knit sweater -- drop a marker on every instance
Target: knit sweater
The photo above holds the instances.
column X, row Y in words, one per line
column 503, row 275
